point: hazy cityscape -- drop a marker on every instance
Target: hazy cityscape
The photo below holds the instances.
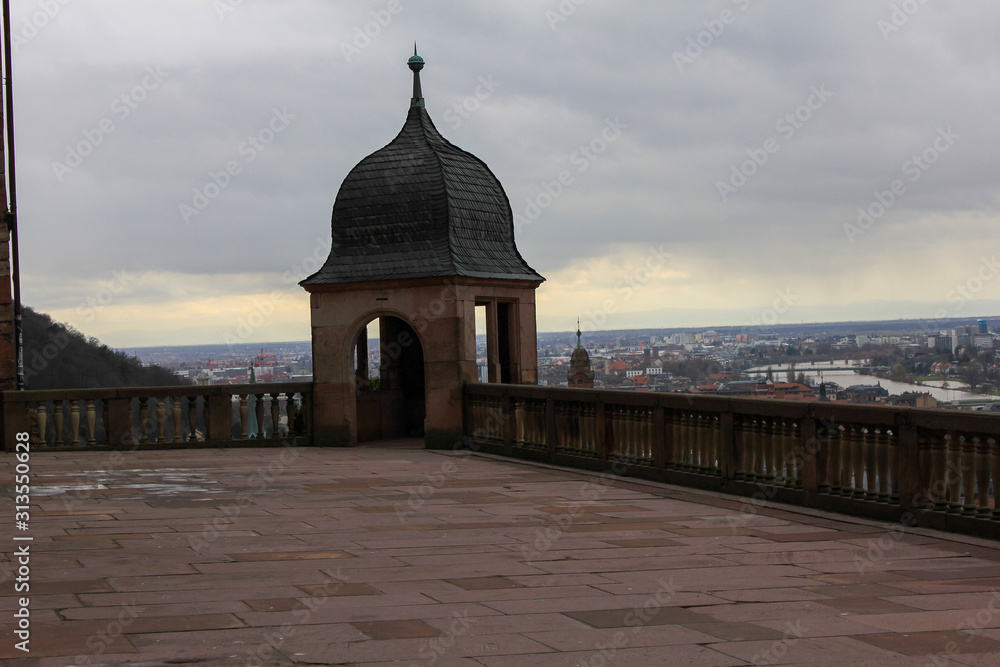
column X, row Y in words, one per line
column 946, row 367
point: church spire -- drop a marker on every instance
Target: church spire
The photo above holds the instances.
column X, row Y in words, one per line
column 578, row 334
column 416, row 63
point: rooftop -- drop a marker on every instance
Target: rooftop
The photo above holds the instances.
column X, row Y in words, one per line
column 390, row 554
column 421, row 207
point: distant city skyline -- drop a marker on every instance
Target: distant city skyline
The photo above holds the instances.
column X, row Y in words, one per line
column 672, row 165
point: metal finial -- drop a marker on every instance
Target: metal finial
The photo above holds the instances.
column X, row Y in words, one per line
column 416, row 63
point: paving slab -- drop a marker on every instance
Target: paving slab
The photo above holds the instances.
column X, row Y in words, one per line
column 341, row 556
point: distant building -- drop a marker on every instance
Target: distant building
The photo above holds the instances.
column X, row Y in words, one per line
column 983, row 327
column 914, row 399
column 866, row 393
column 580, row 375
column 962, row 337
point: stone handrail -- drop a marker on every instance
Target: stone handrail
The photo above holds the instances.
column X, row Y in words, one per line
column 149, row 417
column 935, row 468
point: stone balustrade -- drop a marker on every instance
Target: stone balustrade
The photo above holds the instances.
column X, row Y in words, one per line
column 936, row 468
column 145, row 417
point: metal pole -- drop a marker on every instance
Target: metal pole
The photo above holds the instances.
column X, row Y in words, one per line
column 15, row 269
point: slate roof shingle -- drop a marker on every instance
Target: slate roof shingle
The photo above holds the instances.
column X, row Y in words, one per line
column 421, row 207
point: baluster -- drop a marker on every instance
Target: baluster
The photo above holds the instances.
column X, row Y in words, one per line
column 577, row 412
column 303, row 414
column 620, row 436
column 143, row 419
column 983, row 477
column 995, row 476
column 74, row 420
column 175, row 413
column 517, row 420
column 834, row 459
column 765, row 447
column 614, row 420
column 632, row 428
column 91, row 423
column 192, row 402
column 892, row 467
column 538, row 421
column 770, row 430
column 708, row 443
column 785, row 465
column 290, row 409
column 952, row 473
column 691, row 446
column 472, row 405
column 968, row 458
column 562, row 429
column 543, row 431
column 632, row 432
column 925, row 498
column 676, row 431
column 57, row 419
column 782, row 430
column 243, row 416
column 743, row 455
column 274, row 416
column 796, row 455
column 702, row 441
column 161, row 419
column 853, row 487
column 882, row 464
column 866, row 488
column 779, row 453
column 824, row 439
column 42, row 417
column 939, row 481
column 648, row 437
column 755, row 451
column 861, row 451
column 529, row 422
column 259, row 413
column 590, row 428
column 571, row 421
column 848, row 453
column 694, row 440
column 870, row 489
column 717, row 445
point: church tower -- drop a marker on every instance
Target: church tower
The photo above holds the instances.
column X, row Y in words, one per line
column 423, row 233
column 581, row 375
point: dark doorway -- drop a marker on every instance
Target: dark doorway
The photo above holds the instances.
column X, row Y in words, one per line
column 389, row 369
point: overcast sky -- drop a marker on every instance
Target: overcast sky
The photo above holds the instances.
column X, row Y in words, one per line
column 713, row 155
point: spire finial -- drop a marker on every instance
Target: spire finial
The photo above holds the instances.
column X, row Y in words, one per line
column 416, row 63
column 578, row 334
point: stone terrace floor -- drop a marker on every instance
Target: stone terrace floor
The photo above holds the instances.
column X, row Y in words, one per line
column 393, row 555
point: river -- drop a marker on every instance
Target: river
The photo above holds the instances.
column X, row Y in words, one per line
column 954, row 392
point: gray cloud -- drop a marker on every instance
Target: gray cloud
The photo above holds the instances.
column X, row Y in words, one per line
column 657, row 183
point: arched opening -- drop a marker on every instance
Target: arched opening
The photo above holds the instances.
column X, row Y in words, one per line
column 388, row 364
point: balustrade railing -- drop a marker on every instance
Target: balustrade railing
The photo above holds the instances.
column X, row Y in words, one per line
column 937, row 467
column 216, row 415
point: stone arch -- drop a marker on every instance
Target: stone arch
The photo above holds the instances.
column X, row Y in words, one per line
column 394, row 405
